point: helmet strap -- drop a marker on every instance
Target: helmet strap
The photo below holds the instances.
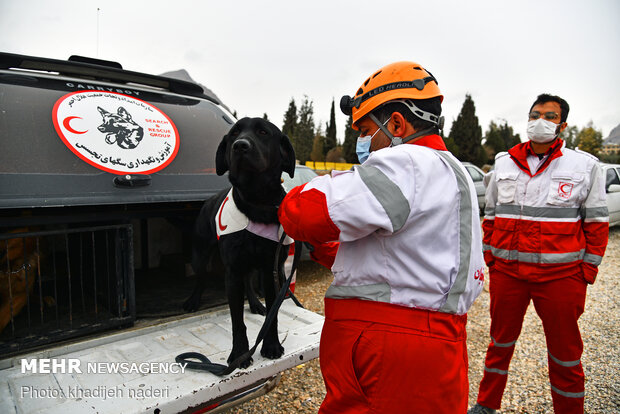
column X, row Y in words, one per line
column 398, row 140
column 382, row 127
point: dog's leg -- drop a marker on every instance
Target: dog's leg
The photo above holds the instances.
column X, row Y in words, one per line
column 202, row 264
column 271, row 344
column 235, row 293
column 256, row 306
column 192, row 304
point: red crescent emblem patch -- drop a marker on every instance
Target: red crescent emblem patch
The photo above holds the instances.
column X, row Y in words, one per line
column 565, row 190
column 219, row 216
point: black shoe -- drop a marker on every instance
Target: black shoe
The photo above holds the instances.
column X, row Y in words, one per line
column 478, row 409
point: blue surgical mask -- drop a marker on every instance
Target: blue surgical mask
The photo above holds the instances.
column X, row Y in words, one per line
column 362, row 148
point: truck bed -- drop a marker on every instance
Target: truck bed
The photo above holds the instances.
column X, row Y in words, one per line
column 132, row 390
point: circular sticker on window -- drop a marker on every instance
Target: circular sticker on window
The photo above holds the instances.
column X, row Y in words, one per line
column 116, row 133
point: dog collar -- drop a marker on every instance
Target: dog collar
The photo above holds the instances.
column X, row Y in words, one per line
column 229, row 219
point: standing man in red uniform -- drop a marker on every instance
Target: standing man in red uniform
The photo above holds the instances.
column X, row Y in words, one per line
column 545, row 232
column 407, row 258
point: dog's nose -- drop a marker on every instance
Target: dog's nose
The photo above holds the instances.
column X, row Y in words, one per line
column 241, row 145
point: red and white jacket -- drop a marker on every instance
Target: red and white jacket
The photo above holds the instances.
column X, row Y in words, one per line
column 545, row 219
column 407, row 225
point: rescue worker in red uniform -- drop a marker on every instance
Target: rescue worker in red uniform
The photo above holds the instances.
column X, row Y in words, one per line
column 545, row 232
column 401, row 233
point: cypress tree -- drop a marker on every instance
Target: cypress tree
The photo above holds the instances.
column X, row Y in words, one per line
column 330, row 132
column 350, row 140
column 289, row 126
column 467, row 134
column 304, row 134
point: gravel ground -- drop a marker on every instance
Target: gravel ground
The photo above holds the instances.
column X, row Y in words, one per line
column 301, row 389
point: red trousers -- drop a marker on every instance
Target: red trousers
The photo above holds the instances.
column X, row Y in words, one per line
column 382, row 358
column 559, row 304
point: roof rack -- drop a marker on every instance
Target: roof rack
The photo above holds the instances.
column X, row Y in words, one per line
column 100, row 70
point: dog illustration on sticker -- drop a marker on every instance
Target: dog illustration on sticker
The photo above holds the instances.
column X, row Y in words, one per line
column 120, row 128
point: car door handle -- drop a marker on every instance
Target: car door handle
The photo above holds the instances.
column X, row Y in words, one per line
column 132, row 180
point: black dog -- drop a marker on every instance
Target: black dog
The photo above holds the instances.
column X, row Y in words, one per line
column 255, row 152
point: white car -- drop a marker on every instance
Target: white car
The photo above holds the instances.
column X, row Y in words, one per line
column 303, row 174
column 477, row 175
column 612, row 187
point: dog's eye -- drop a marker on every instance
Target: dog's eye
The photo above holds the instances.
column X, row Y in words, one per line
column 262, row 132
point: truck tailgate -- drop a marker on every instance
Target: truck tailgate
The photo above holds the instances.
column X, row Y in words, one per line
column 134, row 387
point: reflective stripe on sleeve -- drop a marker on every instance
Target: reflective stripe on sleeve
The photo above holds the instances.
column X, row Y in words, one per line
column 564, row 363
column 486, row 247
column 568, row 394
column 543, row 258
column 465, row 236
column 598, row 214
column 489, row 212
column 593, row 259
column 388, row 194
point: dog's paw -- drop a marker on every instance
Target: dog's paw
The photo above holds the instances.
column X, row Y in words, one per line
column 272, row 351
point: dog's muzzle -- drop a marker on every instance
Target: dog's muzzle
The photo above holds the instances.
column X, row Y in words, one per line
column 241, row 145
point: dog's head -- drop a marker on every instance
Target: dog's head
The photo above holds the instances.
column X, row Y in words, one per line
column 255, row 146
column 120, row 128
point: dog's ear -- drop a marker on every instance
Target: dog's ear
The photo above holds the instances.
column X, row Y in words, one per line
column 288, row 155
column 221, row 160
column 102, row 111
column 124, row 114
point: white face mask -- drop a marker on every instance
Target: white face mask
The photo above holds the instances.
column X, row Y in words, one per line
column 542, row 131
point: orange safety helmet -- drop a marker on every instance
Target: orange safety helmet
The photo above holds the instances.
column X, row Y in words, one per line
column 400, row 80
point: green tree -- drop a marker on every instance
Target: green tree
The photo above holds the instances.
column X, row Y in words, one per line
column 499, row 137
column 590, row 140
column 570, row 136
column 350, row 140
column 304, row 136
column 467, row 134
column 265, row 117
column 450, row 145
column 330, row 132
column 289, row 126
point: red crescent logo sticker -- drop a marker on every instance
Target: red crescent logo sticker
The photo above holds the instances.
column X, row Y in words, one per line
column 219, row 216
column 66, row 123
column 115, row 132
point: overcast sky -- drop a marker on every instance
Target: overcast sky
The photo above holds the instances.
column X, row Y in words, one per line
column 257, row 55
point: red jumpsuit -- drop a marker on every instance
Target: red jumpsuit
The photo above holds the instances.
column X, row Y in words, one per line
column 545, row 232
